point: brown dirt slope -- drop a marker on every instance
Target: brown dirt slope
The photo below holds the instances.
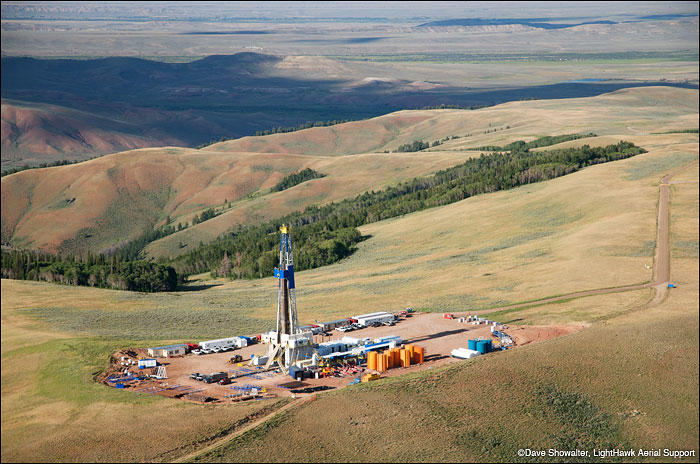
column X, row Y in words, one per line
column 38, row 132
column 100, row 203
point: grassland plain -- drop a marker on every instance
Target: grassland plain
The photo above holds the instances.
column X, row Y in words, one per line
column 618, row 384
column 49, row 398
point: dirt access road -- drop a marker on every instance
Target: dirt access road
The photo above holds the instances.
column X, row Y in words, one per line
column 662, row 258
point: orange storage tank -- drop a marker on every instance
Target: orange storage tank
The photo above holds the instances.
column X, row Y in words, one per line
column 405, row 358
column 397, row 356
column 381, row 363
column 389, row 359
column 372, row 360
column 419, row 353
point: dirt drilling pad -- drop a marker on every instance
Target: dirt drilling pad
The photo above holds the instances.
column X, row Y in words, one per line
column 438, row 336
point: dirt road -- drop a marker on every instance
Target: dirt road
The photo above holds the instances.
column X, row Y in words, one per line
column 241, row 431
column 662, row 258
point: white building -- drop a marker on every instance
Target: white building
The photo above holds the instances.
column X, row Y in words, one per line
column 168, row 351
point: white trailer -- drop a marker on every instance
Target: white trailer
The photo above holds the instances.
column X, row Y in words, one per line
column 231, row 342
column 389, row 338
column 369, row 319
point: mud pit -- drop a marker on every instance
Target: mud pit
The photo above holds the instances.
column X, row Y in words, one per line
column 437, row 335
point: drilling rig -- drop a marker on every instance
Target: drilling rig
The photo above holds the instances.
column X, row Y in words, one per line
column 288, row 344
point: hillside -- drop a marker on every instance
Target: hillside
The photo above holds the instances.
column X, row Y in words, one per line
column 629, row 378
column 121, row 196
column 35, row 133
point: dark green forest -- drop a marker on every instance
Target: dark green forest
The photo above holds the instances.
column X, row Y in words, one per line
column 296, row 178
column 91, row 270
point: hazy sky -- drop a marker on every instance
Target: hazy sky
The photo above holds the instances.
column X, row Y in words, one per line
column 314, row 11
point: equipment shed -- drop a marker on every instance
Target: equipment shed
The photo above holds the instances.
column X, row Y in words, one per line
column 168, row 351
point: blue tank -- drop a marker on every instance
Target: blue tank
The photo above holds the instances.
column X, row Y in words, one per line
column 483, row 346
column 472, row 345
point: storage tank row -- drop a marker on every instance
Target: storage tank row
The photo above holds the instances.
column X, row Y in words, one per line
column 395, row 357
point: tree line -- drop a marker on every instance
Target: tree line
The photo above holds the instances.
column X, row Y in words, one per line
column 52, row 164
column 90, row 270
column 545, row 141
column 322, row 234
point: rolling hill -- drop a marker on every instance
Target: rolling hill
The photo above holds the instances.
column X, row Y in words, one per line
column 42, row 133
column 225, row 96
column 628, row 379
column 98, row 204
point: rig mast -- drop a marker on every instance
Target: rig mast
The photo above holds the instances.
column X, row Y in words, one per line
column 287, row 344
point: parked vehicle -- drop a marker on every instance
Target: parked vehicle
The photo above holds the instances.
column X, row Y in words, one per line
column 205, row 351
column 389, row 323
column 236, row 359
column 196, row 352
column 345, row 328
column 194, row 375
column 216, row 350
column 215, row 377
column 376, row 324
column 225, row 381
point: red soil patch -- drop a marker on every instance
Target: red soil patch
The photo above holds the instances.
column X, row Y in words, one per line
column 524, row 335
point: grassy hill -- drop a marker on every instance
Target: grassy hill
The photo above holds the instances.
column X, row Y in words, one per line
column 630, row 378
column 121, row 196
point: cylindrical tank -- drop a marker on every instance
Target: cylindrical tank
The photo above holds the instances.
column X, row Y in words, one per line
column 372, row 360
column 389, row 359
column 472, row 345
column 419, row 354
column 483, row 346
column 406, row 359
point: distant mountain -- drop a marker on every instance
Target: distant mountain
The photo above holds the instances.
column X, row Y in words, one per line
column 99, row 106
column 537, row 23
